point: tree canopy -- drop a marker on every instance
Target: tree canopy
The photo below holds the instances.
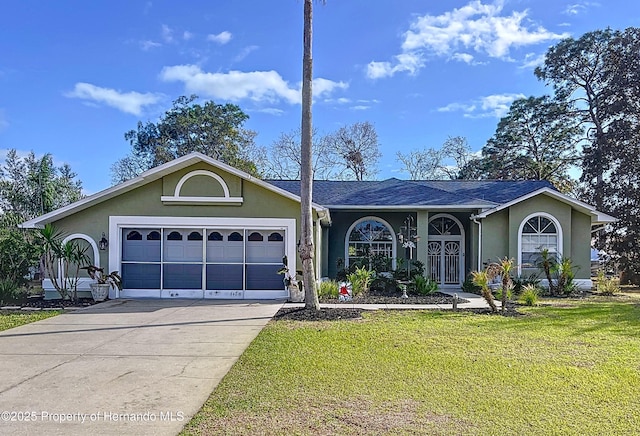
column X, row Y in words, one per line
column 32, row 186
column 536, row 140
column 598, row 74
column 212, row 129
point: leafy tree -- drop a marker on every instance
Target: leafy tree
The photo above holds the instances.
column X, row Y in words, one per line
column 598, row 73
column 33, row 186
column 432, row 164
column 18, row 253
column 577, row 69
column 212, row 129
column 536, row 140
column 306, row 172
column 357, row 148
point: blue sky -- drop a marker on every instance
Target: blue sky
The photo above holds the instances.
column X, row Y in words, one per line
column 76, row 75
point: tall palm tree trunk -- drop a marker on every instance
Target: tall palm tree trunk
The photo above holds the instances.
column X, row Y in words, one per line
column 306, row 173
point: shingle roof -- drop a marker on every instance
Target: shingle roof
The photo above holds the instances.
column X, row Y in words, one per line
column 395, row 192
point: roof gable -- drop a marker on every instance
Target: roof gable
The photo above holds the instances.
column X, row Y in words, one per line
column 150, row 176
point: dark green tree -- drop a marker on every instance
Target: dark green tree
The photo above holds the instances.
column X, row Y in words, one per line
column 33, row 186
column 598, row 73
column 536, row 140
column 212, row 129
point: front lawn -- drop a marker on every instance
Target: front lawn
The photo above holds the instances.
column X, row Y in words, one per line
column 569, row 367
column 11, row 319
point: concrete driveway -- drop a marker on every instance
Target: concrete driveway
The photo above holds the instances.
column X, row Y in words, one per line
column 140, row 367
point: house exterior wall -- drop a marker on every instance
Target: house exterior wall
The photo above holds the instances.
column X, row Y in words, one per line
column 575, row 229
column 342, row 221
column 145, row 201
column 581, row 244
column 495, row 236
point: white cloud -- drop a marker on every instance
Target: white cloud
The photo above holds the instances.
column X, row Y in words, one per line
column 147, row 45
column 271, row 111
column 245, row 52
column 167, row 33
column 128, row 102
column 259, row 86
column 532, row 60
column 462, row 57
column 409, row 62
column 3, row 120
column 476, row 27
column 221, row 38
column 496, row 105
column 360, row 107
column 580, row 7
column 186, row 35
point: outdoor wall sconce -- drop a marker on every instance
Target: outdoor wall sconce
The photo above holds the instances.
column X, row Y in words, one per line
column 103, row 244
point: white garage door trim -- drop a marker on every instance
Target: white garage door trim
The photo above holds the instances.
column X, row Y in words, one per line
column 117, row 223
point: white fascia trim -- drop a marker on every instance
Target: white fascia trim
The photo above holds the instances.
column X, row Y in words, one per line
column 596, row 216
column 172, row 199
column 149, row 176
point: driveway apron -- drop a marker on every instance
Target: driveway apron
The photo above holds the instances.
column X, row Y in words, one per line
column 142, row 367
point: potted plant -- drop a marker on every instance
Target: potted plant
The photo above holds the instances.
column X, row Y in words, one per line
column 104, row 282
column 291, row 284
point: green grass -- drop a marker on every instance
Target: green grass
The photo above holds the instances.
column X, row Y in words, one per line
column 566, row 367
column 11, row 319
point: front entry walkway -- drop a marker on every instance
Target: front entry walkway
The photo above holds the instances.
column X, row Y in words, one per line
column 141, row 367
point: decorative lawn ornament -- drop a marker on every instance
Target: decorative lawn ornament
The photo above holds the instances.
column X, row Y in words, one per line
column 346, row 292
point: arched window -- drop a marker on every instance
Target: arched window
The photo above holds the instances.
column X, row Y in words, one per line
column 275, row 237
column 215, row 236
column 153, row 236
column 369, row 237
column 234, row 236
column 443, row 226
column 174, row 236
column 538, row 232
column 134, row 236
column 194, row 236
column 255, row 237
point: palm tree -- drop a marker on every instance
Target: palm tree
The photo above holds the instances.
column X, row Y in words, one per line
column 306, row 173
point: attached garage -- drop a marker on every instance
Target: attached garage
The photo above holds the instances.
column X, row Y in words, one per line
column 202, row 257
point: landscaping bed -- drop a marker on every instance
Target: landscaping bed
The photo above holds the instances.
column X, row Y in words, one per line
column 387, row 297
column 39, row 303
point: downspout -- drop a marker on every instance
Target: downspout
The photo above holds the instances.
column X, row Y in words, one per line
column 479, row 223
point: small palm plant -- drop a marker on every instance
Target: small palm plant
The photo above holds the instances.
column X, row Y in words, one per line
column 482, row 279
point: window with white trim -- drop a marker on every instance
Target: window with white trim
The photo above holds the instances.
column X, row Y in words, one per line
column 539, row 232
column 369, row 237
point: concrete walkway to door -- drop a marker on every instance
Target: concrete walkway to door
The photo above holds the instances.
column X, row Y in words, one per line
column 123, row 367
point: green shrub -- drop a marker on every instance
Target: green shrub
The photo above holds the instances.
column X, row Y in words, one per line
column 360, row 280
column 520, row 282
column 499, row 294
column 328, row 289
column 9, row 292
column 607, row 286
column 470, row 287
column 424, row 286
column 529, row 295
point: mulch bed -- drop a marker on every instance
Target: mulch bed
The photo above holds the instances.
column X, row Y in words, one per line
column 382, row 297
column 38, row 302
column 302, row 314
